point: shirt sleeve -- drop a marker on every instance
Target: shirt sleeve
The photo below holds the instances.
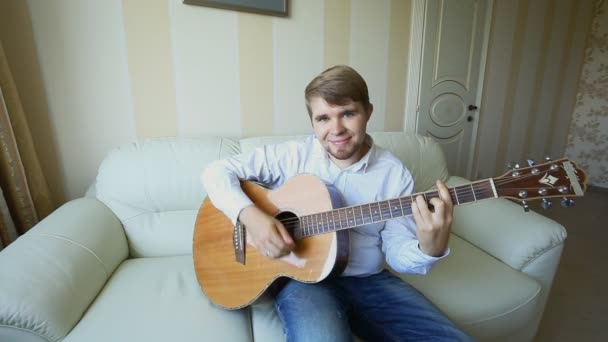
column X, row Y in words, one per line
column 222, row 178
column 399, row 240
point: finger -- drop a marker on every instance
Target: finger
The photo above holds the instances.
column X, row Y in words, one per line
column 423, row 207
column 276, row 245
column 444, row 193
column 438, row 205
column 284, row 233
column 416, row 213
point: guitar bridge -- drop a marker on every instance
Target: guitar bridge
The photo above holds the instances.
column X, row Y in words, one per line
column 239, row 239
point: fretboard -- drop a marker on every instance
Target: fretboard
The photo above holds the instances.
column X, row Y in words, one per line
column 359, row 215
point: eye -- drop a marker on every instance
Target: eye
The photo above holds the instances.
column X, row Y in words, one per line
column 348, row 114
column 321, row 118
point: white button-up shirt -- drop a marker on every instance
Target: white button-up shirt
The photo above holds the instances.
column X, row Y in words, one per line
column 378, row 176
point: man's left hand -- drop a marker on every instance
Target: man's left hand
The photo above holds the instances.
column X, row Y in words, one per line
column 433, row 227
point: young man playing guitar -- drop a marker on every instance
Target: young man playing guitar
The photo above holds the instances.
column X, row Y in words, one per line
column 365, row 299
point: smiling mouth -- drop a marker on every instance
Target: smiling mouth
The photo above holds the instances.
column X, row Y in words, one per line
column 340, row 142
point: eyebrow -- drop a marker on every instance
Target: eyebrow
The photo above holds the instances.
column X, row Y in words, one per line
column 347, row 108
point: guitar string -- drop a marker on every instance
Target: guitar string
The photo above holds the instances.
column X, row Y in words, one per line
column 462, row 192
column 385, row 210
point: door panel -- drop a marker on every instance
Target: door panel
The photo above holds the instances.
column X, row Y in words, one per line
column 453, row 38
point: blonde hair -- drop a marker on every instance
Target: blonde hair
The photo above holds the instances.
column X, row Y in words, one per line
column 337, row 85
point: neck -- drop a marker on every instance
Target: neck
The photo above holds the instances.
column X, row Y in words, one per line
column 359, row 215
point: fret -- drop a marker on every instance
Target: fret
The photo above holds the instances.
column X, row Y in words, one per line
column 333, row 219
column 340, row 219
column 343, row 218
column 350, row 218
column 407, row 207
column 376, row 213
column 454, row 196
column 359, row 221
column 395, row 209
column 362, row 217
column 326, row 223
column 431, row 194
column 303, row 225
column 465, row 195
column 384, row 207
column 371, row 216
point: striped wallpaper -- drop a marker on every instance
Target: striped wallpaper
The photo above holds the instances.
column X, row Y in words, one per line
column 198, row 70
column 107, row 72
column 535, row 56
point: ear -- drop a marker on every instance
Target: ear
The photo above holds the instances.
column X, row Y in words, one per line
column 370, row 109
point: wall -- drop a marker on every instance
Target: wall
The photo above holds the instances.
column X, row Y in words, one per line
column 535, row 54
column 107, row 72
column 96, row 74
column 588, row 138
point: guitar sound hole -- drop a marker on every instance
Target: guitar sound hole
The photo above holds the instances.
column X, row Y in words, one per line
column 290, row 221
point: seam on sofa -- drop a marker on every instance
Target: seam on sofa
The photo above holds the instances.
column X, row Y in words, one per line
column 538, row 255
column 29, row 331
column 509, row 311
column 105, row 267
column 156, row 212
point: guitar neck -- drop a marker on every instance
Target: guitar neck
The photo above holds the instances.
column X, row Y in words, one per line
column 359, row 215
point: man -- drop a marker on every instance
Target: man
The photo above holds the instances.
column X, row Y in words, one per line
column 364, row 299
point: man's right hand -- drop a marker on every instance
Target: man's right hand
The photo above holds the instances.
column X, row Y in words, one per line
column 266, row 233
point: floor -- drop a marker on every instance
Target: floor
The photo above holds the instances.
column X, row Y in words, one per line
column 577, row 308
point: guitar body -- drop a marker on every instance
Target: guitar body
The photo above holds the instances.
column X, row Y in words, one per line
column 232, row 284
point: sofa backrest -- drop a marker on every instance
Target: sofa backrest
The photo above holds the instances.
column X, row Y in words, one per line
column 154, row 187
column 421, row 155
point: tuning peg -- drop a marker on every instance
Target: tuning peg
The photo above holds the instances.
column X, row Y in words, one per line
column 546, row 204
column 567, row 202
column 513, row 165
column 525, row 206
column 531, row 162
column 547, row 158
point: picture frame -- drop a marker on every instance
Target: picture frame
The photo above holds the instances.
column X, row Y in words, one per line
column 267, row 7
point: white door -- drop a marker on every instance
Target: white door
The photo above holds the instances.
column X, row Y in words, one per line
column 451, row 61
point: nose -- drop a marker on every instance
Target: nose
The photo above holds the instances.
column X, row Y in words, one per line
column 337, row 127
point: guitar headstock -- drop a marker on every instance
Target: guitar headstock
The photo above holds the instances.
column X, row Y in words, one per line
column 558, row 178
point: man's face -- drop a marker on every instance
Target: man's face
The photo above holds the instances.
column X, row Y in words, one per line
column 341, row 129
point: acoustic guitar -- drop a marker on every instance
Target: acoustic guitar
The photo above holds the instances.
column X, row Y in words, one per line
column 233, row 274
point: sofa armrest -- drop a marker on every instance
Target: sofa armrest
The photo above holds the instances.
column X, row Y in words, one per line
column 502, row 229
column 526, row 241
column 50, row 275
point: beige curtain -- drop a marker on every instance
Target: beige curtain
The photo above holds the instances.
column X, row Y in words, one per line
column 24, row 193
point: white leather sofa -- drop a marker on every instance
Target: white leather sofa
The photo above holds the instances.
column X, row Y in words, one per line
column 116, row 264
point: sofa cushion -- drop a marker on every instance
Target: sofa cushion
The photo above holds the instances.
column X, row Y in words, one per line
column 421, row 155
column 158, row 299
column 479, row 293
column 154, row 188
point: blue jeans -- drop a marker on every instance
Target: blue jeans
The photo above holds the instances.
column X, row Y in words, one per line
column 380, row 307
